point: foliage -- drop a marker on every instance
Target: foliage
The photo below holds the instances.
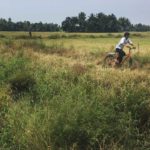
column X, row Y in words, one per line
column 76, row 111
column 100, row 23
column 8, row 25
column 22, row 82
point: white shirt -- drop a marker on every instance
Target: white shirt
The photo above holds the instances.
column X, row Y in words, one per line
column 123, row 42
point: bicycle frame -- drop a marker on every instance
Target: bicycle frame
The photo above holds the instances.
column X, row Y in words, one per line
column 128, row 56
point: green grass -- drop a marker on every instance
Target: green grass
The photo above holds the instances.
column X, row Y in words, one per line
column 53, row 96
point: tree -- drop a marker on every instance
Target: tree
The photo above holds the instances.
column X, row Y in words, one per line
column 124, row 24
column 112, row 23
column 3, row 25
column 26, row 25
column 71, row 24
column 82, row 22
column 66, row 24
column 102, row 20
column 92, row 23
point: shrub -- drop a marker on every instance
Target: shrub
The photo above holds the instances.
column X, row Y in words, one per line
column 2, row 36
column 15, row 64
column 21, row 83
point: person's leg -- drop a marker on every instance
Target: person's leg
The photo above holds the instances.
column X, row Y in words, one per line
column 123, row 57
column 118, row 56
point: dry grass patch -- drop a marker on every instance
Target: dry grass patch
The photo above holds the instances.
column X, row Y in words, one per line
column 79, row 69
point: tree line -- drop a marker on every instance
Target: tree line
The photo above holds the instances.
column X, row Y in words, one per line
column 8, row 25
column 94, row 23
column 100, row 23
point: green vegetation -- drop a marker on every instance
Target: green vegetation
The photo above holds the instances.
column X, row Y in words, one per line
column 99, row 22
column 54, row 96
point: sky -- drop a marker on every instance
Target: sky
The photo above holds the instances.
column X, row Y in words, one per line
column 55, row 11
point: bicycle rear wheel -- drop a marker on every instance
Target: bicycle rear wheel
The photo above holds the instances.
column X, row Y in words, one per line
column 109, row 61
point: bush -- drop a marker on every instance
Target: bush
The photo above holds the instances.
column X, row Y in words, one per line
column 15, row 65
column 2, row 36
column 21, row 83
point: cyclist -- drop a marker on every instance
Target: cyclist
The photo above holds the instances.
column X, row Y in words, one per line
column 125, row 41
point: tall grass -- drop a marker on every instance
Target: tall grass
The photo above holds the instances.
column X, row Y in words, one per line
column 77, row 111
column 43, row 106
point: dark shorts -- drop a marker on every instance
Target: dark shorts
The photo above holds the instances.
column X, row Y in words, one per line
column 121, row 54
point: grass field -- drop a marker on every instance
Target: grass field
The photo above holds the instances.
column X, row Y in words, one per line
column 54, row 96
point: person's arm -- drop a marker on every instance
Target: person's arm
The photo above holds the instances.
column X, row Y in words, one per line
column 130, row 42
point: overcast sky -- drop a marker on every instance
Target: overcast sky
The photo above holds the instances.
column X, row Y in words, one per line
column 138, row 11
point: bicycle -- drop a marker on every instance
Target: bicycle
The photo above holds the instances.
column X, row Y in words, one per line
column 128, row 62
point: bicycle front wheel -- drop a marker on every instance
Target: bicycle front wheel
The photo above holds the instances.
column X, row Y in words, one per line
column 131, row 63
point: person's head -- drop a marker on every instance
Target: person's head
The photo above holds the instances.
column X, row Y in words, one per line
column 126, row 35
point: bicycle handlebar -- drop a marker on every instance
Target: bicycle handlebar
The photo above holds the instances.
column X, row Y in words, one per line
column 130, row 48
